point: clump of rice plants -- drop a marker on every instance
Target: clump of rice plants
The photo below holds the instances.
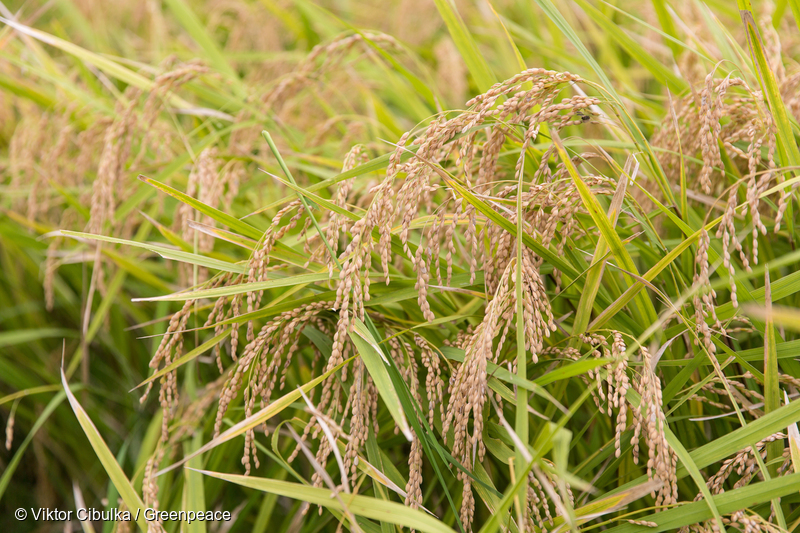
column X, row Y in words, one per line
column 306, row 280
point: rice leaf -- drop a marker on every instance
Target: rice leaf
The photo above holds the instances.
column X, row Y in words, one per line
column 771, row 383
column 476, row 64
column 258, row 418
column 23, row 336
column 223, row 218
column 787, row 145
column 691, row 467
column 376, row 365
column 195, row 28
column 667, row 24
column 735, row 441
column 385, row 511
column 107, row 459
column 163, row 251
column 193, row 491
column 106, row 65
column 242, row 288
column 595, row 274
column 185, row 358
column 643, row 304
column 11, row 466
column 795, row 5
column 727, row 502
column 499, row 514
column 661, row 72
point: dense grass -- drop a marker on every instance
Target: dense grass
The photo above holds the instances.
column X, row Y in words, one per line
column 519, row 266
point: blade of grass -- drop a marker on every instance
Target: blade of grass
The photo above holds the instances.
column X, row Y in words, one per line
column 691, row 467
column 223, row 218
column 382, row 510
column 643, row 303
column 727, row 502
column 376, row 363
column 11, row 466
column 242, row 288
column 300, row 195
column 607, row 87
column 194, row 498
column 112, row 468
column 595, row 275
column 787, row 144
column 257, row 418
column 572, row 369
column 521, row 455
column 163, row 251
column 771, row 383
column 735, row 441
column 661, row 72
column 795, row 5
column 106, row 65
column 667, row 25
column 24, row 336
column 194, row 27
column 185, row 358
column 476, row 64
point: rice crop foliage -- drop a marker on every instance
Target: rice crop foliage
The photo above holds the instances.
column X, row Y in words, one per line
column 422, row 266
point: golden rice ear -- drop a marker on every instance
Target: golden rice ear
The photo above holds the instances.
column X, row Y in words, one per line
column 650, row 422
column 480, row 222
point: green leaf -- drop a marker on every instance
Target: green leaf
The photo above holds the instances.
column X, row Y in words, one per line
column 106, row 65
column 112, row 468
column 787, row 145
column 194, row 27
column 661, row 72
column 194, row 498
column 643, row 303
column 571, row 369
column 371, row 166
column 242, row 288
column 382, row 510
column 795, row 5
column 727, row 503
column 595, row 274
column 608, row 87
column 772, row 394
column 185, row 358
column 24, row 336
column 300, row 195
column 550, row 255
column 258, row 418
column 163, row 251
column 698, row 478
column 12, row 465
column 476, row 64
column 223, row 218
column 667, row 24
column 735, row 441
column 500, row 514
column 376, row 365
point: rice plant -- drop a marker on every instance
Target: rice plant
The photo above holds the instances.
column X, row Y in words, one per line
column 429, row 266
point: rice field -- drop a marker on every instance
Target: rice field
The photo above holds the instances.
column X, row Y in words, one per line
column 295, row 266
